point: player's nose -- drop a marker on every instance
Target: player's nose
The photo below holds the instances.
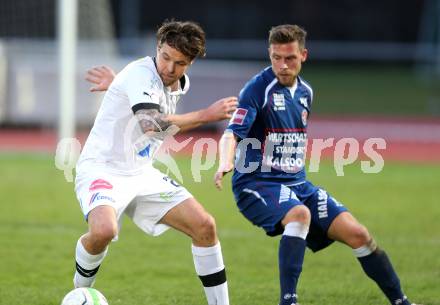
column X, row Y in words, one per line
column 171, row 67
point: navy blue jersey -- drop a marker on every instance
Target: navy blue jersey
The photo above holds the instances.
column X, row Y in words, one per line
column 271, row 121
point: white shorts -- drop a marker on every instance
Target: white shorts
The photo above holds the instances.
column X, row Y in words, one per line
column 145, row 197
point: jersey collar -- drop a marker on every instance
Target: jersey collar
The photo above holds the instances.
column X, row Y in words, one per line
column 294, row 87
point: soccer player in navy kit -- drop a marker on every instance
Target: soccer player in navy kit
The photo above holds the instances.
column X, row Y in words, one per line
column 269, row 131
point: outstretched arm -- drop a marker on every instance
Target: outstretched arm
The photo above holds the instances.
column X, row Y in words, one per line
column 101, row 77
column 152, row 120
column 227, row 147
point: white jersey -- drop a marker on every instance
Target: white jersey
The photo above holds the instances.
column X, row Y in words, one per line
column 116, row 139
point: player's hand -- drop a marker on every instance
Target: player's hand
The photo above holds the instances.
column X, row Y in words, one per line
column 101, row 77
column 221, row 172
column 220, row 110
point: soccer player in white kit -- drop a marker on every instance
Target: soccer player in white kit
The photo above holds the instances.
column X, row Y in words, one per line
column 115, row 173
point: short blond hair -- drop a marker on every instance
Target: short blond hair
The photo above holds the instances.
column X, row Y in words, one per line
column 287, row 33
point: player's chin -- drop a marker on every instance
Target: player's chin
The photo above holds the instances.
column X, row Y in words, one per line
column 168, row 81
column 286, row 80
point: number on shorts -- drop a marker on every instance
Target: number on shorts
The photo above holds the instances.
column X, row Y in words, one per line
column 168, row 179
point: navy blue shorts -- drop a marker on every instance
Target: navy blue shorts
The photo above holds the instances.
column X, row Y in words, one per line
column 265, row 203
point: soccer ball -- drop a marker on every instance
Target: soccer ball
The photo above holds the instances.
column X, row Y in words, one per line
column 84, row 296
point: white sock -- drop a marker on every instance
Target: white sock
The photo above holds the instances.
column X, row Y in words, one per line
column 297, row 229
column 365, row 250
column 208, row 262
column 87, row 266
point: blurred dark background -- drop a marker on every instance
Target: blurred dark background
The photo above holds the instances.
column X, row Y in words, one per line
column 349, row 20
column 354, row 20
column 366, row 58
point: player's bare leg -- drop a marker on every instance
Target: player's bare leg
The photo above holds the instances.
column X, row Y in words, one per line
column 91, row 248
column 190, row 218
column 374, row 261
column 291, row 252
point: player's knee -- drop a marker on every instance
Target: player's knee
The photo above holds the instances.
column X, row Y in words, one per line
column 103, row 234
column 359, row 236
column 299, row 213
column 206, row 230
column 208, row 226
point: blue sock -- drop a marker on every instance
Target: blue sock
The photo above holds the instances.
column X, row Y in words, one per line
column 290, row 257
column 378, row 267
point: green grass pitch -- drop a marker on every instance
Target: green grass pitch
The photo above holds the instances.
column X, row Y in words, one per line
column 40, row 222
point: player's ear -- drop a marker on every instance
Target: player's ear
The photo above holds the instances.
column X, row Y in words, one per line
column 304, row 54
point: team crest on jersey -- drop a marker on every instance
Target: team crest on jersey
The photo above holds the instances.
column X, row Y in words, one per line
column 155, row 83
column 279, row 102
column 304, row 116
column 239, row 116
column 303, row 101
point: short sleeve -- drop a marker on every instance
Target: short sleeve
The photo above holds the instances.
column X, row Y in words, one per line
column 142, row 87
column 245, row 114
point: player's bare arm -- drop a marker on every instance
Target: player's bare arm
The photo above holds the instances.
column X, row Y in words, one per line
column 152, row 120
column 101, row 77
column 218, row 111
column 227, row 147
